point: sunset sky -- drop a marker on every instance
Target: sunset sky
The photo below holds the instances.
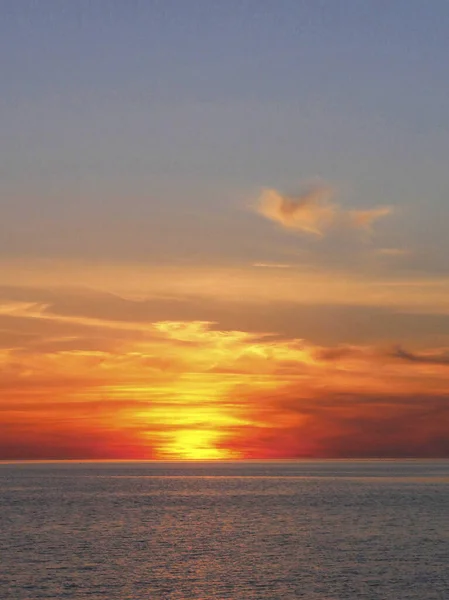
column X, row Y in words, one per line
column 224, row 229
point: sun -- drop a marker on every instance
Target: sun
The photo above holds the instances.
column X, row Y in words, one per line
column 198, row 444
column 193, row 426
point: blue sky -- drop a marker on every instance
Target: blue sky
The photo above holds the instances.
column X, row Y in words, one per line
column 171, row 116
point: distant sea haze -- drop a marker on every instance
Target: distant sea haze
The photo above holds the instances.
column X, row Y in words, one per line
column 278, row 530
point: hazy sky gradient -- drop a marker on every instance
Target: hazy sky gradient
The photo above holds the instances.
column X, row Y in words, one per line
column 165, row 162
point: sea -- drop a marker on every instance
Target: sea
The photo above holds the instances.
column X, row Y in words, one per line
column 321, row 530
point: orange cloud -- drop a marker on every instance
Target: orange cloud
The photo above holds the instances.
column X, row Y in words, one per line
column 349, row 425
column 138, row 283
column 429, row 358
column 310, row 212
column 188, row 389
column 392, row 251
column 364, row 219
column 87, row 374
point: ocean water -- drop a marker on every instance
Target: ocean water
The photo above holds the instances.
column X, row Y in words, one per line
column 321, row 530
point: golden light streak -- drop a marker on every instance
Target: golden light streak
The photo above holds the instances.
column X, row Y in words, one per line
column 298, row 284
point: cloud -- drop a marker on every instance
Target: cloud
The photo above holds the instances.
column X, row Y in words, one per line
column 347, row 425
column 392, row 251
column 336, row 353
column 269, row 265
column 220, row 294
column 313, row 212
column 429, row 358
column 364, row 219
column 195, row 389
column 310, row 212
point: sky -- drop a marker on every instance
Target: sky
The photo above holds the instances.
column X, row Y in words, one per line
column 223, row 229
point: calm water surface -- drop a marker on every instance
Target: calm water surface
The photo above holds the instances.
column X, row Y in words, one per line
column 319, row 530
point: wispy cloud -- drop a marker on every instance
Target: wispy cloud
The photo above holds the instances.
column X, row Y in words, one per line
column 364, row 219
column 194, row 389
column 270, row 265
column 392, row 251
column 428, row 358
column 164, row 288
column 310, row 212
column 348, row 424
column 313, row 211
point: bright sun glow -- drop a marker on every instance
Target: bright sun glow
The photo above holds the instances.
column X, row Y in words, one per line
column 197, row 444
